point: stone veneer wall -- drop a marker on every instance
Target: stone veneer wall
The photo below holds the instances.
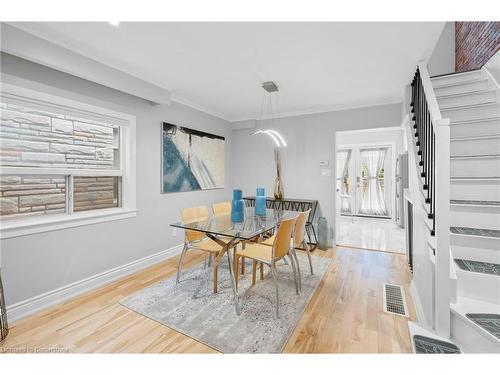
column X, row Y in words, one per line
column 32, row 195
column 91, row 193
column 30, row 137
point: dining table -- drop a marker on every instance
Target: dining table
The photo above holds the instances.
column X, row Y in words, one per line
column 229, row 234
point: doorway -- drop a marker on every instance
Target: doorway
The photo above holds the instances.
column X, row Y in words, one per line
column 366, row 189
column 362, row 172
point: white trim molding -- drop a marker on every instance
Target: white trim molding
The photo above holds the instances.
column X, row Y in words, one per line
column 47, row 223
column 188, row 103
column 32, row 305
column 419, row 310
column 321, row 109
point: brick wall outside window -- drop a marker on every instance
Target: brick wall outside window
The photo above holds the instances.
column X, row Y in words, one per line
column 475, row 43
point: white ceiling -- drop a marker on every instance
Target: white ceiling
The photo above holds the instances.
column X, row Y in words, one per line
column 219, row 67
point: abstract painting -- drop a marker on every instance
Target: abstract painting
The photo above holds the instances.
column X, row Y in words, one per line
column 191, row 159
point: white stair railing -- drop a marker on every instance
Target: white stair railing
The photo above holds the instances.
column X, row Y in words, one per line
column 432, row 134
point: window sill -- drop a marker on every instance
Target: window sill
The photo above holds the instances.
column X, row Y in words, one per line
column 23, row 227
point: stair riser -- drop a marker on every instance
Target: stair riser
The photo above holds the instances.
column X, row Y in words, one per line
column 469, row 338
column 473, row 113
column 461, row 89
column 470, row 99
column 475, row 190
column 475, row 147
column 477, row 167
column 475, row 217
column 454, row 79
column 478, row 286
column 491, row 127
column 482, row 249
column 475, row 253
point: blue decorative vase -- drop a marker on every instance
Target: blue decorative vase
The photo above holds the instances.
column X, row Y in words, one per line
column 260, row 202
column 237, row 206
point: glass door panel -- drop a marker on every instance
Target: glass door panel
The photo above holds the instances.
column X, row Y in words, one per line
column 371, row 182
column 361, row 180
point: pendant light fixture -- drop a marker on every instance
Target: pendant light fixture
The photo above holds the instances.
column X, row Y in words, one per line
column 270, row 97
column 270, row 111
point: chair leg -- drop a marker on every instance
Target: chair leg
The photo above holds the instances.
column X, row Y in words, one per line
column 254, row 271
column 179, row 266
column 292, row 263
column 275, row 278
column 294, row 256
column 308, row 251
column 210, row 258
column 216, row 281
column 261, row 271
column 235, row 266
column 242, row 265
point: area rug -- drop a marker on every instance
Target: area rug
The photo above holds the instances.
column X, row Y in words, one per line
column 191, row 308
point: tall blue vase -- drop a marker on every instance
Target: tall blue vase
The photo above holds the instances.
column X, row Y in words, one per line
column 237, row 206
column 260, row 202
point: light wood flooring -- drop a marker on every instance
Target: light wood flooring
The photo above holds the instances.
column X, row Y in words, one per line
column 345, row 315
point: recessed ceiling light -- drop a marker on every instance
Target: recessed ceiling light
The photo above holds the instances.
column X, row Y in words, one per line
column 114, row 23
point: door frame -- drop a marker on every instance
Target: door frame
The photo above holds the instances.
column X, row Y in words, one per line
column 374, row 145
column 336, row 213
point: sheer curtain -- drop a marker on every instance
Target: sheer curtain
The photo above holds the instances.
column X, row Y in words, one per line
column 373, row 200
column 342, row 162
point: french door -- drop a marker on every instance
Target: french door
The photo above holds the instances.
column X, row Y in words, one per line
column 363, row 180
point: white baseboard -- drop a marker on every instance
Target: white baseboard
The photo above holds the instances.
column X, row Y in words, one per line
column 419, row 310
column 29, row 306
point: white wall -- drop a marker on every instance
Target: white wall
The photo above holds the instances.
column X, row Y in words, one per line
column 36, row 264
column 311, row 139
column 442, row 60
column 493, row 66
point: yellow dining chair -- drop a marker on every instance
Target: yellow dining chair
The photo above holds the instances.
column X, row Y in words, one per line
column 270, row 255
column 221, row 209
column 197, row 240
column 299, row 240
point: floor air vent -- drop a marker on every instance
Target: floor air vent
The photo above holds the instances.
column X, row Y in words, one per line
column 394, row 300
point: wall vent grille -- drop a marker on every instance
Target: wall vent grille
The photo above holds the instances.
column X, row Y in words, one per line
column 394, row 300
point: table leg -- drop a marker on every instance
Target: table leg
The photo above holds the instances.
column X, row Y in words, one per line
column 233, row 283
column 227, row 247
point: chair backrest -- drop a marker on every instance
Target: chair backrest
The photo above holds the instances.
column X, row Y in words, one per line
column 190, row 215
column 300, row 228
column 281, row 244
column 221, row 209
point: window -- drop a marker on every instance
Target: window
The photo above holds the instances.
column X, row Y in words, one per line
column 62, row 162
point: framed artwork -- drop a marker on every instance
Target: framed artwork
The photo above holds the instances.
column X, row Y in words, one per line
column 191, row 159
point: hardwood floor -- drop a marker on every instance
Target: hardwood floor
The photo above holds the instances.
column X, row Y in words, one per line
column 345, row 315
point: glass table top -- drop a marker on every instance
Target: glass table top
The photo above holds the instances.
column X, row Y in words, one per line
column 252, row 225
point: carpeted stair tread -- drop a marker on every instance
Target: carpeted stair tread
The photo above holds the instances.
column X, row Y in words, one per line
column 429, row 345
column 480, row 267
column 488, row 322
column 492, row 233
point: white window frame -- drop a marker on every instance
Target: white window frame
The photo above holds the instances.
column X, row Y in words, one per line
column 12, row 94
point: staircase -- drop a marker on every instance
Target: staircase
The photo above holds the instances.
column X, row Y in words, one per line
column 471, row 100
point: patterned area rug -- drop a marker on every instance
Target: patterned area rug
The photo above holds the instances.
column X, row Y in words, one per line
column 191, row 308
